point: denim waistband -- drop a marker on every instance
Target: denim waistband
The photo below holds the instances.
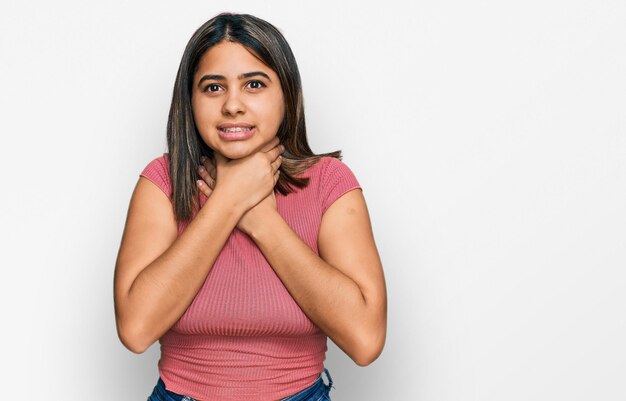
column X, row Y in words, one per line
column 313, row 392
column 166, row 395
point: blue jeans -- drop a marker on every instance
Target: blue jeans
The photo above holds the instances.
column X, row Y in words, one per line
column 318, row 391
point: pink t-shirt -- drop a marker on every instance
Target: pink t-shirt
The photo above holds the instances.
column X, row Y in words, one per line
column 244, row 337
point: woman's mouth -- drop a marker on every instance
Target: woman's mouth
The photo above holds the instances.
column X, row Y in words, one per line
column 236, row 133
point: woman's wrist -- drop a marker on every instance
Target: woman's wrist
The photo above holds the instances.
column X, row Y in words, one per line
column 222, row 201
column 264, row 224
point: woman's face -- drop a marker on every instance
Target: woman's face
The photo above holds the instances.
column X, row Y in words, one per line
column 237, row 101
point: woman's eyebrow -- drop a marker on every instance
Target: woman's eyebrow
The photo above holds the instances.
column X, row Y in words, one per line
column 241, row 76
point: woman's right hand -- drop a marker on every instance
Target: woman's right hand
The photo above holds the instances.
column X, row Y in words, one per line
column 247, row 181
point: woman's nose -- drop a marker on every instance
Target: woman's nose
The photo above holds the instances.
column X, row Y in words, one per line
column 233, row 104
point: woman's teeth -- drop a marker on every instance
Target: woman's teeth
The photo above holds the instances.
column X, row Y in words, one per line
column 237, row 129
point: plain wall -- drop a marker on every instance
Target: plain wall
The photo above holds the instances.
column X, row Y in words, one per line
column 488, row 136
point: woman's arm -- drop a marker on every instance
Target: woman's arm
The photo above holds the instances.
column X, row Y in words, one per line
column 342, row 291
column 157, row 275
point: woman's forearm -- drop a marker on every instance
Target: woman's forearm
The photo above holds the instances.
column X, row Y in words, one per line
column 164, row 289
column 331, row 299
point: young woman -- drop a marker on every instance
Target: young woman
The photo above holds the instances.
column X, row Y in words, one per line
column 243, row 250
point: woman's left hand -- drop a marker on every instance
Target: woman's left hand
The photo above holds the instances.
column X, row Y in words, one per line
column 249, row 219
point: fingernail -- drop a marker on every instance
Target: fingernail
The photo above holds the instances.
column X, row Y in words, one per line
column 201, row 169
column 202, row 158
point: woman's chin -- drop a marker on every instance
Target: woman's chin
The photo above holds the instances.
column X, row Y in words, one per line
column 233, row 154
column 239, row 149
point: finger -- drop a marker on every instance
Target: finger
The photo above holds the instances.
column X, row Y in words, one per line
column 271, row 144
column 206, row 177
column 208, row 165
column 276, row 163
column 275, row 152
column 276, row 176
column 204, row 188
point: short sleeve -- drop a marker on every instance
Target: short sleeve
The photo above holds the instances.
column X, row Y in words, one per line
column 336, row 179
column 158, row 172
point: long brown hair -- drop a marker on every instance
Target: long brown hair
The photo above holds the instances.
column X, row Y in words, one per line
column 185, row 144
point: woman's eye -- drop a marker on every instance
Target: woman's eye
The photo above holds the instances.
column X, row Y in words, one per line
column 212, row 88
column 256, row 84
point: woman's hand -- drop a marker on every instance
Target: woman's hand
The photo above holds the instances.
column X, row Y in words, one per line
column 248, row 182
column 208, row 173
column 254, row 216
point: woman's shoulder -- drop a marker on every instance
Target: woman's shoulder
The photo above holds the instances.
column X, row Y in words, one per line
column 324, row 166
column 158, row 172
column 330, row 169
column 331, row 178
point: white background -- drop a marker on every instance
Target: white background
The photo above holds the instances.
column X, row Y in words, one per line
column 489, row 138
